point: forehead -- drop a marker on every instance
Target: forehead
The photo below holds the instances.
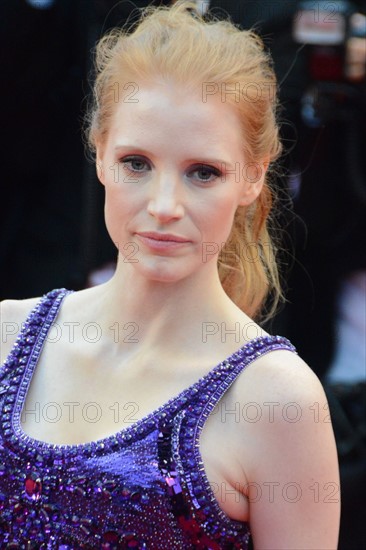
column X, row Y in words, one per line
column 167, row 113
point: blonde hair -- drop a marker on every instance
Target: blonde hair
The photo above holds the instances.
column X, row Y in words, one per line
column 177, row 43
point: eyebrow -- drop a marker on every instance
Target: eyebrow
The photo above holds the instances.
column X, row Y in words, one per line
column 128, row 146
column 147, row 153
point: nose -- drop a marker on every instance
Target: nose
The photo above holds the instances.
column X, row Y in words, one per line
column 165, row 202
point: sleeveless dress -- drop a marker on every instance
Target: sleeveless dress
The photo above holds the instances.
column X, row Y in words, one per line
column 144, row 487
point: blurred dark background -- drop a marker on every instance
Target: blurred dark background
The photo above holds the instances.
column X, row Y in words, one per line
column 52, row 226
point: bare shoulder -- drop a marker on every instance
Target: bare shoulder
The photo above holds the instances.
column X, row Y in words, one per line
column 283, row 375
column 287, row 446
column 12, row 314
column 283, row 406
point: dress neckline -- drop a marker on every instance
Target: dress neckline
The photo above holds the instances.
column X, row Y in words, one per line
column 27, row 357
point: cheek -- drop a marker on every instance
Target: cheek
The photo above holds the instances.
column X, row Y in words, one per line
column 118, row 203
column 115, row 214
column 110, row 223
column 218, row 219
column 216, row 224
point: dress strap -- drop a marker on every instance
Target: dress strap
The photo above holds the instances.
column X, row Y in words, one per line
column 16, row 372
column 187, row 474
column 196, row 419
column 40, row 317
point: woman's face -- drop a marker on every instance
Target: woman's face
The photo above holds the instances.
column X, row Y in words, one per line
column 174, row 172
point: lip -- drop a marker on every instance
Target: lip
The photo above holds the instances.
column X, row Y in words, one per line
column 166, row 237
column 162, row 241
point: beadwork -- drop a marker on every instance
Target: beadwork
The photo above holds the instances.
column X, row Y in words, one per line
column 144, row 487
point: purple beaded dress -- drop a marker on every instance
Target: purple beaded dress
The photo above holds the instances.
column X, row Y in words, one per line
column 143, row 487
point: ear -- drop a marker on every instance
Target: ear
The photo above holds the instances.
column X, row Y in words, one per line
column 254, row 174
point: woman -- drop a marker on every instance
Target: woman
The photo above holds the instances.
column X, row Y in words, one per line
column 152, row 411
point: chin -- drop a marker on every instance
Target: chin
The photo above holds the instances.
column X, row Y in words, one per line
column 163, row 271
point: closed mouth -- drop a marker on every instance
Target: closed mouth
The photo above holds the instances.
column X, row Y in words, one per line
column 163, row 237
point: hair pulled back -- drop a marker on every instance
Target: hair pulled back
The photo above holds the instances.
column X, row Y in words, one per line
column 178, row 44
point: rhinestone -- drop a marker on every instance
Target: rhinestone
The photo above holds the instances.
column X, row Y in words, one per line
column 33, row 486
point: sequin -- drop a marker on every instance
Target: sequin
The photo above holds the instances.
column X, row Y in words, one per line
column 142, row 488
column 33, row 486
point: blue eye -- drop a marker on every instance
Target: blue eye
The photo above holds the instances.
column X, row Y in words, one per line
column 135, row 164
column 205, row 173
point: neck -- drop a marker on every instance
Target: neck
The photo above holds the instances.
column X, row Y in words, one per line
column 170, row 313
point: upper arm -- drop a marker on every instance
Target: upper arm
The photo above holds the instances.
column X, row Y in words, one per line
column 12, row 314
column 293, row 470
